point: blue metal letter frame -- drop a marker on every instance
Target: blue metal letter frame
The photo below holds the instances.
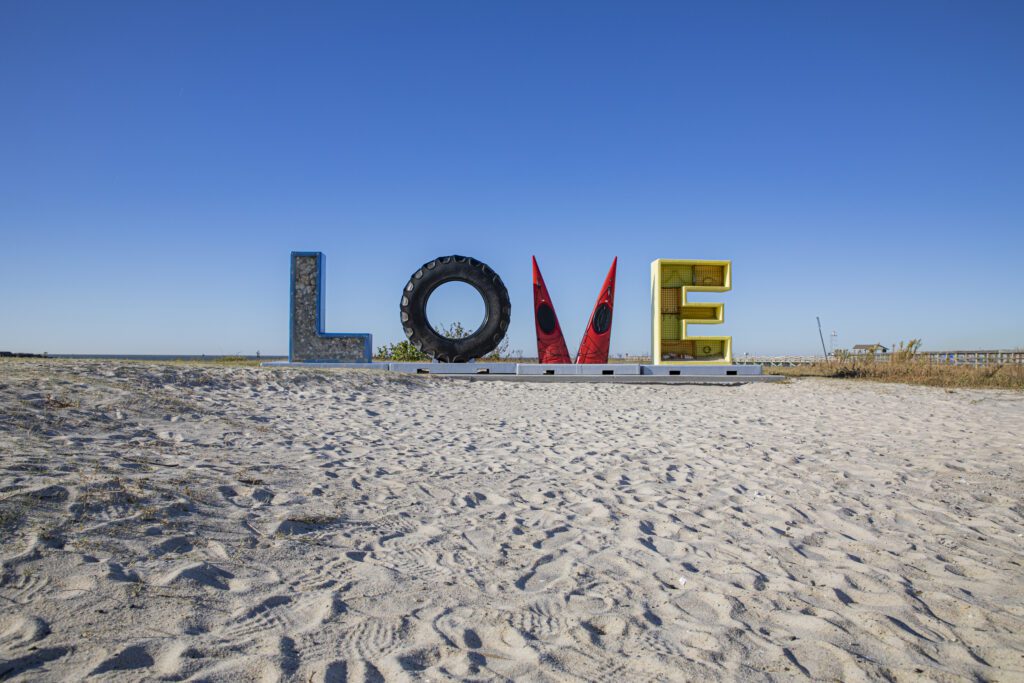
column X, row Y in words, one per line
column 307, row 341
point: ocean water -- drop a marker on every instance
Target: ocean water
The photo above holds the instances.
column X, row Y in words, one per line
column 128, row 356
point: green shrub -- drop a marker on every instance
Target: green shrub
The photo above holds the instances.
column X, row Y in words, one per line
column 403, row 351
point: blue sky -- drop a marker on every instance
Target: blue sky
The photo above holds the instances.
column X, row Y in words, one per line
column 859, row 161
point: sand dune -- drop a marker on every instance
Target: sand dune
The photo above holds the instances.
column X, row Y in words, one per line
column 175, row 522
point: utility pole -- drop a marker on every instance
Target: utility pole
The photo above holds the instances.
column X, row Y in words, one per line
column 822, row 337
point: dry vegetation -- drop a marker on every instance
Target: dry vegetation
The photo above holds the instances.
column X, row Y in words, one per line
column 913, row 371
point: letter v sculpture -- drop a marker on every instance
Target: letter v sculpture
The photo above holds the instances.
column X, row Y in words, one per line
column 551, row 346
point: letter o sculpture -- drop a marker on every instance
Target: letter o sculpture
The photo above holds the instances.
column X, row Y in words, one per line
column 497, row 309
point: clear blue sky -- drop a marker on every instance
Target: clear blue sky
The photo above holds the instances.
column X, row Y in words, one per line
column 859, row 161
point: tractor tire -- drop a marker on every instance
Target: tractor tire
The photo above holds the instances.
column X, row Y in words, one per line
column 497, row 309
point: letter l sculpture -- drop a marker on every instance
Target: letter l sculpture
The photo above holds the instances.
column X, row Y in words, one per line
column 308, row 343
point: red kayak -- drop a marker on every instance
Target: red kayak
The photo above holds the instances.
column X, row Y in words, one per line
column 550, row 342
column 594, row 347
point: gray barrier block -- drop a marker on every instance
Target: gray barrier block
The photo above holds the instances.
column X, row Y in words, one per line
column 702, row 370
column 316, row 364
column 429, row 368
column 546, row 369
column 307, row 341
column 582, row 369
column 608, row 369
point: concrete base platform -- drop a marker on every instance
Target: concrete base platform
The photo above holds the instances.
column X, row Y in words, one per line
column 701, row 370
column 455, row 368
column 719, row 380
column 425, row 368
column 316, row 364
column 613, row 372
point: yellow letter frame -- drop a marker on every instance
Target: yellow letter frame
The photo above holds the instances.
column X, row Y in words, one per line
column 671, row 280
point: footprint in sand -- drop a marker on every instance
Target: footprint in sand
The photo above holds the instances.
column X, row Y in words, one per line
column 33, row 660
column 545, row 573
column 373, row 638
column 24, row 587
column 291, row 614
column 133, row 657
column 20, row 630
column 202, row 574
column 176, row 544
column 557, row 537
column 486, row 641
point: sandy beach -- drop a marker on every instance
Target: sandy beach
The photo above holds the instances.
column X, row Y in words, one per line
column 176, row 522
